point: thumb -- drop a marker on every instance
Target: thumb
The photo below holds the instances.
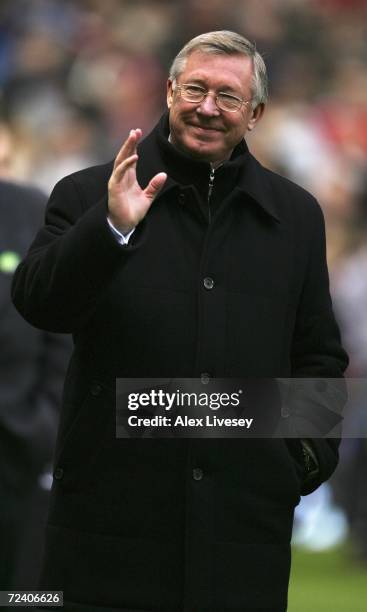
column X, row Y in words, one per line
column 155, row 185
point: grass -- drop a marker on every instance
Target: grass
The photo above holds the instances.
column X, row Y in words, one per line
column 327, row 582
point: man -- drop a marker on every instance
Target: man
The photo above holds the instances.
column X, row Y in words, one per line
column 32, row 370
column 184, row 258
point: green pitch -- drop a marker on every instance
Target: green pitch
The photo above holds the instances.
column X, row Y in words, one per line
column 327, row 582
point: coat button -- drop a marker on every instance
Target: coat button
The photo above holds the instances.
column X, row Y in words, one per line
column 58, row 473
column 95, row 389
column 197, row 474
column 208, row 282
column 181, row 199
column 205, row 378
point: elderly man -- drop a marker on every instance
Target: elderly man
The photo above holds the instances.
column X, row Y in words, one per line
column 184, row 257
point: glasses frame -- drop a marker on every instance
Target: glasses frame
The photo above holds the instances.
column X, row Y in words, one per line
column 176, row 87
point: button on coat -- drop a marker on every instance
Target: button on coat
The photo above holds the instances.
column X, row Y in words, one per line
column 197, row 474
column 208, row 282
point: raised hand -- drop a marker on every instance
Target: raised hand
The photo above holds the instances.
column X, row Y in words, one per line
column 127, row 202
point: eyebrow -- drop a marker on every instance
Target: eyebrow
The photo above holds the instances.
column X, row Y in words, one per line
column 223, row 89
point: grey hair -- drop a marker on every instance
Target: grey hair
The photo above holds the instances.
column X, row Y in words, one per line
column 229, row 43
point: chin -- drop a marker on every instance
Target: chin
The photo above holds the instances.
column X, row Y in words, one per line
column 200, row 151
column 203, row 150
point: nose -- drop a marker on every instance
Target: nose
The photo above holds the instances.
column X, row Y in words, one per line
column 208, row 106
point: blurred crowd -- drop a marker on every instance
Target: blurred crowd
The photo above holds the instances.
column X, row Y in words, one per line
column 76, row 75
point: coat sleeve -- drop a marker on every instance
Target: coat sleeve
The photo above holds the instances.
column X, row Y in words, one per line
column 317, row 351
column 70, row 261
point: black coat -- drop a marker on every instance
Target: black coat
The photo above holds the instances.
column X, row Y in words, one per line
column 130, row 527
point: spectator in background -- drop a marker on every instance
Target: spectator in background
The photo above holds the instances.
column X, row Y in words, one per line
column 6, row 151
column 32, row 369
column 350, row 482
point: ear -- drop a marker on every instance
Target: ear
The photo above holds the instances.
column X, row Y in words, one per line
column 169, row 93
column 257, row 113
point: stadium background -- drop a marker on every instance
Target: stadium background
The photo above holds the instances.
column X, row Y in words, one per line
column 75, row 76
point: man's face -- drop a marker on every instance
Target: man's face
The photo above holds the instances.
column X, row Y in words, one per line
column 201, row 129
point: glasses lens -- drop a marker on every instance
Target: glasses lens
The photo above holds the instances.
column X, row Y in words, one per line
column 191, row 93
column 228, row 103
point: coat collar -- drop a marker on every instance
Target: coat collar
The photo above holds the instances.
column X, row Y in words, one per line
column 156, row 154
column 254, row 182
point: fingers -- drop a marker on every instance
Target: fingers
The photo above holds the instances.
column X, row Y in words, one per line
column 155, row 185
column 129, row 146
column 121, row 168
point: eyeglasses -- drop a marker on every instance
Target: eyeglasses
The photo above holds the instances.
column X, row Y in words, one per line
column 196, row 94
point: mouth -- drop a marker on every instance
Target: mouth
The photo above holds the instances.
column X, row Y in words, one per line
column 205, row 128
